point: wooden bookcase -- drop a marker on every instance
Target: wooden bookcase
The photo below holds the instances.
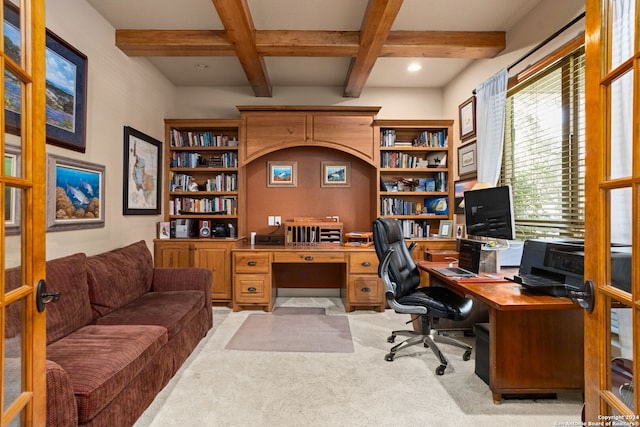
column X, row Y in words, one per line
column 415, row 173
column 202, row 183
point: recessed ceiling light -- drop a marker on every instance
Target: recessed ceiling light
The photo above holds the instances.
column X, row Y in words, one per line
column 201, row 66
column 414, row 66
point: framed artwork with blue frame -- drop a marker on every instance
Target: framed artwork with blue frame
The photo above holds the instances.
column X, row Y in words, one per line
column 66, row 87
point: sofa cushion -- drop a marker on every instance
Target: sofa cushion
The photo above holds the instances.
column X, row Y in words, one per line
column 172, row 310
column 119, row 276
column 67, row 275
column 102, row 360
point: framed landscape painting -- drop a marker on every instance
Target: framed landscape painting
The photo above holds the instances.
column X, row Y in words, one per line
column 282, row 174
column 336, row 174
column 66, row 86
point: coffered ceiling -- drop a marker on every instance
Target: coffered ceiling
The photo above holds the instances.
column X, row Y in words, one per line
column 353, row 44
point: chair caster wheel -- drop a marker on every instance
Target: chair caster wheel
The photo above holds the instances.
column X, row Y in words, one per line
column 467, row 355
column 440, row 369
column 391, row 339
column 389, row 357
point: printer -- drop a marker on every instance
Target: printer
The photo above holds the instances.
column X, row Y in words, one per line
column 552, row 266
column 556, row 266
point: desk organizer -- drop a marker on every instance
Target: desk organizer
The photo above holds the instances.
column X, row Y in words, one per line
column 312, row 233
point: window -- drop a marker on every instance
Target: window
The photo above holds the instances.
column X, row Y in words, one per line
column 544, row 150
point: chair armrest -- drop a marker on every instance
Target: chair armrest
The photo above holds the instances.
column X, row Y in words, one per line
column 412, row 246
column 62, row 409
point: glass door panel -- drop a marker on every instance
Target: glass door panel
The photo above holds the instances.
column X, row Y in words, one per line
column 621, row 100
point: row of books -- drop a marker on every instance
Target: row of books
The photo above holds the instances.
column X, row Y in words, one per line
column 222, row 182
column 399, row 159
column 426, row 138
column 414, row 228
column 228, row 159
column 214, row 205
column 430, row 206
column 207, row 138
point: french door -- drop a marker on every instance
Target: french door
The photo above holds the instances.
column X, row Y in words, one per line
column 612, row 232
column 22, row 201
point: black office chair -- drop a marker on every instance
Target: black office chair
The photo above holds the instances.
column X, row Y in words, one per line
column 401, row 278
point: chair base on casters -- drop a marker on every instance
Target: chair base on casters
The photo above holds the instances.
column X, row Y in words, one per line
column 428, row 340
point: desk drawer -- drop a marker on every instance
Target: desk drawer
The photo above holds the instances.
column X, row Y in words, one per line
column 299, row 256
column 251, row 262
column 251, row 288
column 363, row 263
column 365, row 289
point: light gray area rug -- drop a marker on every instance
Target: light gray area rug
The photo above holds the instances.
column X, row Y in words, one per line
column 294, row 329
column 220, row 387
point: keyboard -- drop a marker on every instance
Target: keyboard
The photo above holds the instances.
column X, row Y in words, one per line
column 455, row 272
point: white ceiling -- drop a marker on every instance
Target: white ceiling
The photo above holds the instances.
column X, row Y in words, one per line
column 329, row 15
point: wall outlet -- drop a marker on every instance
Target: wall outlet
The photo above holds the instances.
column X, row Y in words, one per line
column 271, row 220
column 278, row 220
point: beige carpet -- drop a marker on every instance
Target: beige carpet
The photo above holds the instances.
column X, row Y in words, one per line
column 220, row 387
column 298, row 329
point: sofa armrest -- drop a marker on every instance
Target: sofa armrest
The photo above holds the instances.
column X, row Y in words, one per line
column 62, row 409
column 182, row 279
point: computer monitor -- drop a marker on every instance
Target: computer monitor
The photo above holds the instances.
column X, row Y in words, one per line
column 488, row 212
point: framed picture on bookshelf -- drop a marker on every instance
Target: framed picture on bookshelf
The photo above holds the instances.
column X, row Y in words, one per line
column 336, row 174
column 446, row 228
column 467, row 160
column 141, row 180
column 467, row 118
column 75, row 194
column 66, row 86
column 282, row 174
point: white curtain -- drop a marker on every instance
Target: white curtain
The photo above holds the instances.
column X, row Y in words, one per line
column 491, row 98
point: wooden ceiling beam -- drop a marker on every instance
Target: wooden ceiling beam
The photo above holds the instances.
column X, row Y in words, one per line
column 240, row 31
column 375, row 28
column 444, row 44
column 399, row 44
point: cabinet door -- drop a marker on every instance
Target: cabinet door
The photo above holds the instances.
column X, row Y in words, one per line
column 218, row 261
column 172, row 254
column 352, row 133
column 266, row 132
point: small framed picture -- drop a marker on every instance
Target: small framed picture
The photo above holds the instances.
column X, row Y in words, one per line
column 446, row 228
column 282, row 174
column 336, row 174
column 467, row 160
column 467, row 118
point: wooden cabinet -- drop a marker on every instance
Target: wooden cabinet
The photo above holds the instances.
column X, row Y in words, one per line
column 214, row 254
column 415, row 173
column 271, row 128
column 252, row 284
column 364, row 288
column 432, row 244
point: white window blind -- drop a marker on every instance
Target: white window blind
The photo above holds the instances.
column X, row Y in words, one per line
column 544, row 151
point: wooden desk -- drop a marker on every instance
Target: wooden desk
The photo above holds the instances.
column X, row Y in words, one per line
column 535, row 341
column 255, row 269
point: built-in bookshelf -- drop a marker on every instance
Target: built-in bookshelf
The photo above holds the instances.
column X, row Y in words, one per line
column 415, row 173
column 202, row 178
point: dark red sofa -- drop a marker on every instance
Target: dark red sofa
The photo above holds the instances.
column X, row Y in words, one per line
column 121, row 330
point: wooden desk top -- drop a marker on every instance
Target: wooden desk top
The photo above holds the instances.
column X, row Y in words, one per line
column 319, row 248
column 500, row 294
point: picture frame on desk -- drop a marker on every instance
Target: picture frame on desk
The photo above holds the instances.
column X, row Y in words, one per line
column 282, row 174
column 467, row 119
column 336, row 174
column 141, row 181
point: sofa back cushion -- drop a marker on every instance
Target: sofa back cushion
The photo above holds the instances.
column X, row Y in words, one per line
column 118, row 277
column 67, row 275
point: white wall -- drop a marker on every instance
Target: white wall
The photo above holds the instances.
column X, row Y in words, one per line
column 121, row 91
column 201, row 102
